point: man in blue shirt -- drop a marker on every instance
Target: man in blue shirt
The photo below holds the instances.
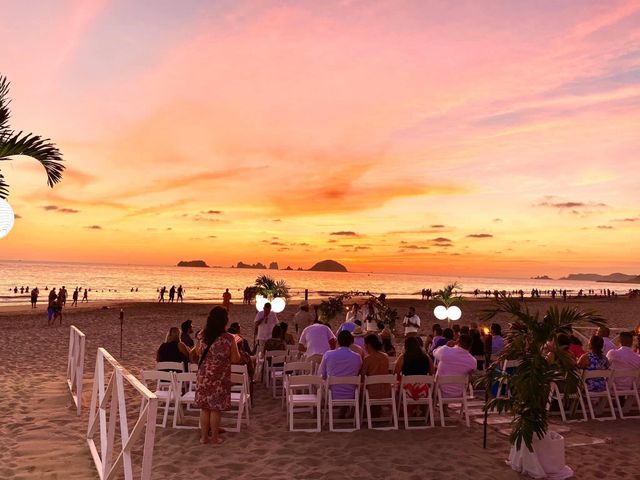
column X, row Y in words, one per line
column 341, row 362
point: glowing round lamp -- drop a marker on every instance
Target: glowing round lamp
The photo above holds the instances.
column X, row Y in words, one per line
column 7, row 218
column 278, row 304
column 454, row 313
column 260, row 301
column 440, row 312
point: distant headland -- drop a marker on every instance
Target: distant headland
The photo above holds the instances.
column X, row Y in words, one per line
column 542, row 277
column 328, row 266
column 611, row 278
column 193, row 263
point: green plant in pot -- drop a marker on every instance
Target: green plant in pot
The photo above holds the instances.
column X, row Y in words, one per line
column 528, row 339
column 271, row 288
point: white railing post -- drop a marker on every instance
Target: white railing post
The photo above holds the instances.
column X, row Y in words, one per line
column 75, row 366
column 112, row 398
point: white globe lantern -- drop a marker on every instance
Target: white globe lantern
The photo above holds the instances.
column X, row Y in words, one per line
column 278, row 304
column 454, row 313
column 440, row 312
column 260, row 301
column 7, row 218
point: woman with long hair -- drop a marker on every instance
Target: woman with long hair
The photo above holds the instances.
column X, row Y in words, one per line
column 595, row 359
column 216, row 351
column 414, row 361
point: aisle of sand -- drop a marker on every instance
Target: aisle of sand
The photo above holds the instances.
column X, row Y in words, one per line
column 41, row 437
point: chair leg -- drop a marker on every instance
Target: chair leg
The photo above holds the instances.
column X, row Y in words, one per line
column 318, row 416
column 441, row 409
column 394, row 412
column 369, row 422
column 405, row 411
column 431, row 415
column 357, row 413
column 466, row 413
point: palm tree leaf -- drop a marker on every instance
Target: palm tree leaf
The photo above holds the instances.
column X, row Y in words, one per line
column 34, row 146
column 5, row 113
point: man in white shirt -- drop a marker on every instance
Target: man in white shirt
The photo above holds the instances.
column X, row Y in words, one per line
column 354, row 314
column 453, row 361
column 411, row 323
column 315, row 340
column 265, row 321
column 604, row 332
column 624, row 358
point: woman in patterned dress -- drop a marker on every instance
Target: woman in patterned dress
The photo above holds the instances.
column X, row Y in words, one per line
column 595, row 360
column 216, row 350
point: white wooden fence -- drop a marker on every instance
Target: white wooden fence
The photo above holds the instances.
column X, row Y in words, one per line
column 75, row 366
column 108, row 393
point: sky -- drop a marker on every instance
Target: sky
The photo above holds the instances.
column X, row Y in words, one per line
column 472, row 138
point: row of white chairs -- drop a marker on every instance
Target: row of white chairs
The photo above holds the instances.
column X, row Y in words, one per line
column 176, row 389
column 305, row 393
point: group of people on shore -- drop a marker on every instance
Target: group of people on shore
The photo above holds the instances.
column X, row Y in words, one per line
column 176, row 294
column 57, row 301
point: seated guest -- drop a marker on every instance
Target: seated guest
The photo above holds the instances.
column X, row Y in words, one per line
column 604, row 332
column 315, row 340
column 386, row 336
column 341, row 362
column 624, row 358
column 244, row 349
column 376, row 362
column 173, row 350
column 563, row 342
column 465, row 330
column 594, row 359
column 358, row 334
column 575, row 347
column 286, row 336
column 347, row 326
column 414, row 361
column 187, row 331
column 447, row 336
column 436, row 337
column 456, row 331
column 477, row 346
column 454, row 361
column 494, row 343
column 275, row 342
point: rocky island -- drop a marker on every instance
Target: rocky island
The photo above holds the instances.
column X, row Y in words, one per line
column 193, row 263
column 328, row 266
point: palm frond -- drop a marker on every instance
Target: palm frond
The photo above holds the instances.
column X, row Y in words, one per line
column 5, row 113
column 270, row 288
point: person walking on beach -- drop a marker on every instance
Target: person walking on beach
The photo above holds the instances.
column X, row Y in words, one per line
column 180, row 291
column 75, row 298
column 62, row 295
column 215, row 350
column 51, row 308
column 34, row 297
column 172, row 293
column 58, row 306
column 226, row 299
column 161, row 295
column 85, row 296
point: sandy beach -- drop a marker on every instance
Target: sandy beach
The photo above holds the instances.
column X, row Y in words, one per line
column 42, row 438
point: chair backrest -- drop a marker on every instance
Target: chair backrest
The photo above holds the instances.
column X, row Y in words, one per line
column 380, row 379
column 298, row 368
column 274, row 353
column 241, row 369
column 185, row 377
column 304, row 380
column 237, row 379
column 278, row 359
column 627, row 373
column 597, row 374
column 417, row 379
column 510, row 364
column 193, row 367
column 452, row 379
column 156, row 375
column 344, row 381
column 176, row 366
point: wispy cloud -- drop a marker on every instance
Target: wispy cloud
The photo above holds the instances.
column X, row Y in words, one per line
column 479, row 235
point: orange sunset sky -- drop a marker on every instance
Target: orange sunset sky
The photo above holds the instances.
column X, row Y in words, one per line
column 480, row 138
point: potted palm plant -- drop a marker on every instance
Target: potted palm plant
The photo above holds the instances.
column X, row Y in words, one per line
column 14, row 143
column 528, row 339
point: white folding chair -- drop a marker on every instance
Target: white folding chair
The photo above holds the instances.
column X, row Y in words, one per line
column 604, row 394
column 389, row 380
column 460, row 382
column 304, row 401
column 238, row 403
column 276, row 370
column 187, row 398
column 407, row 400
column 267, row 363
column 242, row 370
column 292, row 351
column 172, row 366
column 632, row 379
column 353, row 402
column 295, row 368
column 561, row 397
column 163, row 389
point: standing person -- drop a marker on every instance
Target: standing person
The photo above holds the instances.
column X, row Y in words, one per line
column 264, row 323
column 161, row 295
column 317, row 339
column 58, row 306
column 180, row 291
column 62, row 295
column 216, row 351
column 85, row 296
column 75, row 298
column 411, row 323
column 303, row 318
column 354, row 314
column 172, row 293
column 34, row 297
column 51, row 308
column 226, row 299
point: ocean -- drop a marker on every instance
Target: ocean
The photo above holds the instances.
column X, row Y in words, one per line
column 116, row 282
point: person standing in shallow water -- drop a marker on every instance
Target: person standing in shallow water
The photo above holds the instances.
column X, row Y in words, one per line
column 215, row 351
column 34, row 297
column 226, row 299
